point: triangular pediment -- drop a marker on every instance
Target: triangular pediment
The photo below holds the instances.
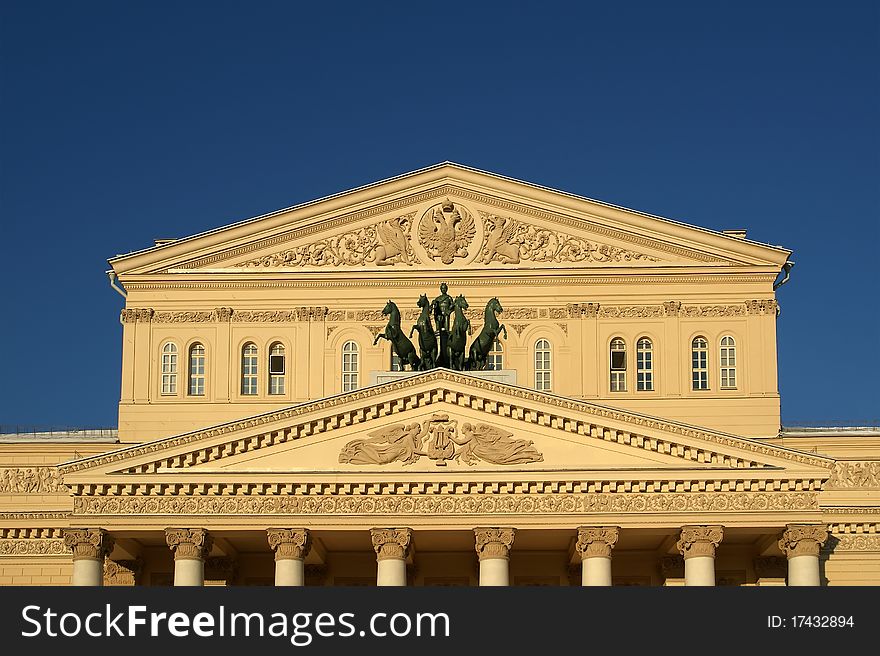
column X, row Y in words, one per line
column 449, row 216
column 443, row 423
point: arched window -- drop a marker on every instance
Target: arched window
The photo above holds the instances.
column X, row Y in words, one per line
column 277, row 368
column 169, row 368
column 700, row 363
column 728, row 362
column 349, row 366
column 618, row 365
column 249, row 370
column 495, row 357
column 197, row 370
column 644, row 365
column 542, row 365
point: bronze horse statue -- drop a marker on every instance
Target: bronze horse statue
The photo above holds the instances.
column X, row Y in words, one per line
column 482, row 345
column 399, row 342
column 461, row 328
column 427, row 336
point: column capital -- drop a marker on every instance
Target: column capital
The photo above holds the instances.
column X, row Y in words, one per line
column 698, row 541
column 596, row 541
column 494, row 542
column 802, row 539
column 91, row 543
column 391, row 542
column 290, row 543
column 189, row 543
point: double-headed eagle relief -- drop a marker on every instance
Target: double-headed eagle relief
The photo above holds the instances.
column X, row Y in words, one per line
column 441, row 440
column 446, row 230
column 443, row 333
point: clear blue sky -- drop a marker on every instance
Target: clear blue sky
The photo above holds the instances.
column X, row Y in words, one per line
column 121, row 122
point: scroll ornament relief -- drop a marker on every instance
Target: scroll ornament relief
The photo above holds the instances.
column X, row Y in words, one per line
column 383, row 243
column 439, row 439
column 30, row 480
column 509, row 241
column 446, row 230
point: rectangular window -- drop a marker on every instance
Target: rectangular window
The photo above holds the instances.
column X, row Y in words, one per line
column 644, row 371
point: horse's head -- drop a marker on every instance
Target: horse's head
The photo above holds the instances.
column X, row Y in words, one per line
column 461, row 302
column 494, row 304
column 423, row 301
column 389, row 307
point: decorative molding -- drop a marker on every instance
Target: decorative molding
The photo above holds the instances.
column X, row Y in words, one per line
column 33, row 547
column 31, row 533
column 630, row 311
column 596, row 541
column 428, row 502
column 446, row 230
column 579, row 310
column 855, row 474
column 738, row 310
column 391, row 543
column 136, row 315
column 803, row 539
column 494, row 542
column 440, row 440
column 672, row 567
column 519, row 327
column 204, row 316
column 857, row 543
column 671, row 308
column 30, row 480
column 563, row 326
column 122, row 572
column 31, row 516
column 508, row 241
column 88, row 543
column 289, row 543
column 766, row 306
column 699, row 541
column 189, row 543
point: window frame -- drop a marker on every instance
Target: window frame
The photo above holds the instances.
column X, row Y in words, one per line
column 495, row 354
column 192, row 376
column 544, row 367
column 727, row 362
column 645, row 364
column 168, row 369
column 249, row 378
column 350, row 366
column 698, row 353
column 277, row 382
column 617, row 375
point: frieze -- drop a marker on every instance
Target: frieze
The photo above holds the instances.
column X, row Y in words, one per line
column 855, row 474
column 185, row 317
column 738, row 310
column 766, row 306
column 133, row 315
column 30, row 480
column 383, row 243
column 452, row 504
column 38, row 547
column 630, row 311
column 856, row 543
column 510, row 241
column 577, row 310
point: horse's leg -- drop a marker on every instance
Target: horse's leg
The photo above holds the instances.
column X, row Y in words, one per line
column 378, row 337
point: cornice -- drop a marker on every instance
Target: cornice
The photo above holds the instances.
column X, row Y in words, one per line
column 362, row 405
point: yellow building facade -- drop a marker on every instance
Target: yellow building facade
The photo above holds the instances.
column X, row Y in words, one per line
column 627, row 431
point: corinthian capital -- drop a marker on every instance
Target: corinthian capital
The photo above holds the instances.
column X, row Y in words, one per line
column 92, row 543
column 391, row 542
column 189, row 543
column 803, row 539
column 699, row 541
column 596, row 541
column 290, row 543
column 494, row 542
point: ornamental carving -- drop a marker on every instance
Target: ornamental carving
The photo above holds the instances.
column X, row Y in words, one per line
column 131, row 315
column 630, row 311
column 30, row 480
column 223, row 313
column 853, row 474
column 508, row 241
column 767, row 306
column 266, row 316
column 34, row 547
column 577, row 310
column 122, row 572
column 391, row 542
column 92, row 543
column 290, row 543
column 855, row 543
column 671, row 308
column 446, row 230
column 596, row 541
column 738, row 310
column 672, row 567
column 440, row 440
column 519, row 327
column 383, row 243
column 185, row 317
column 429, row 503
column 697, row 541
column 803, row 539
column 189, row 543
column 494, row 542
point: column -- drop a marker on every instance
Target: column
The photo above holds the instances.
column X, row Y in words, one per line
column 291, row 546
column 493, row 549
column 190, row 547
column 392, row 546
column 800, row 543
column 697, row 545
column 594, row 544
column 90, row 546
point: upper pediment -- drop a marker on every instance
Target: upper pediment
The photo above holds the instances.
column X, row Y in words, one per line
column 446, row 424
column 448, row 216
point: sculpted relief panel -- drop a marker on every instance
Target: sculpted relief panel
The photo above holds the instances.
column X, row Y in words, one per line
column 440, row 439
column 448, row 233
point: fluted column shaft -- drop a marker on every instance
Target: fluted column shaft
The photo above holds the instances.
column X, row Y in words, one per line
column 493, row 549
column 291, row 546
column 392, row 546
column 594, row 544
column 190, row 547
column 801, row 544
column 89, row 546
column 697, row 545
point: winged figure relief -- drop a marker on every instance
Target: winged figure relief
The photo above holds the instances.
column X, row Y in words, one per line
column 447, row 232
column 499, row 240
column 394, row 242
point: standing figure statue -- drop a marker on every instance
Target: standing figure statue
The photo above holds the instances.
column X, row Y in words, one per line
column 427, row 337
column 399, row 342
column 442, row 309
column 461, row 328
column 478, row 356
